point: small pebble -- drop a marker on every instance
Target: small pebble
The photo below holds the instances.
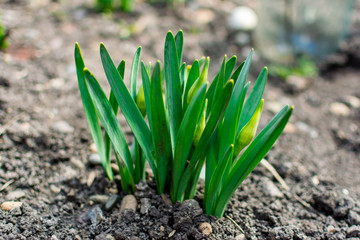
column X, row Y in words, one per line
column 134, row 238
column 272, row 190
column 128, row 202
column 273, row 106
column 315, row 180
column 94, row 159
column 145, row 205
column 99, row 198
column 290, row 128
column 91, row 178
column 331, row 229
column 7, row 206
column 307, row 129
column 172, row 233
column 77, row 163
column 63, row 127
column 352, row 101
column 115, row 168
column 242, row 38
column 205, row 228
column 17, row 194
column 353, row 231
column 204, row 16
column 297, row 83
column 56, row 83
column 112, row 201
column 240, row 237
column 354, row 218
column 339, row 109
column 54, row 237
column 55, row 189
column 104, row 236
column 93, row 148
column 96, row 215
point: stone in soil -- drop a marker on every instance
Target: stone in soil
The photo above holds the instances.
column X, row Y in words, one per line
column 145, row 205
column 17, row 194
column 63, row 127
column 111, row 202
column 240, row 237
column 99, row 198
column 339, row 109
column 95, row 159
column 353, row 231
column 7, row 206
column 128, row 202
column 297, row 83
column 272, row 190
column 96, row 215
column 306, row 129
column 352, row 101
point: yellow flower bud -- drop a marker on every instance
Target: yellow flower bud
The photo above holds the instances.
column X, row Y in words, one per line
column 201, row 126
column 200, row 81
column 248, row 132
column 140, row 101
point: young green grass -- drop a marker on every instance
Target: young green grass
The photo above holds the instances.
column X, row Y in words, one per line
column 190, row 122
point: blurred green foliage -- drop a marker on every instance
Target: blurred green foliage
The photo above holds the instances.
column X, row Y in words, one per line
column 304, row 67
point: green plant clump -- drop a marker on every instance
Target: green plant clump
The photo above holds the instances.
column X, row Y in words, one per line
column 193, row 122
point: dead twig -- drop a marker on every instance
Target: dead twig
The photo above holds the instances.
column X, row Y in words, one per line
column 236, row 225
column 276, row 175
column 284, row 185
column 9, row 123
column 6, row 185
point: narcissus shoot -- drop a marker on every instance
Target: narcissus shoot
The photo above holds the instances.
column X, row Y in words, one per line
column 189, row 122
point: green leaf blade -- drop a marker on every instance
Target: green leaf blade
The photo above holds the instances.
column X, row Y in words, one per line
column 90, row 112
column 214, row 119
column 128, row 107
column 173, row 87
column 159, row 129
column 253, row 100
column 231, row 119
column 252, row 156
column 108, row 118
column 185, row 136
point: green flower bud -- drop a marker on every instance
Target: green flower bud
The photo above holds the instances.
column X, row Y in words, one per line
column 201, row 125
column 140, row 101
column 248, row 132
column 200, row 81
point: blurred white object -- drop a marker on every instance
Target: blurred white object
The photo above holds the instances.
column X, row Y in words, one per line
column 243, row 18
